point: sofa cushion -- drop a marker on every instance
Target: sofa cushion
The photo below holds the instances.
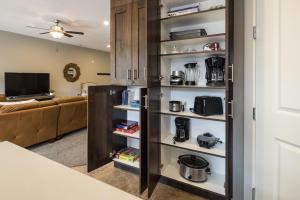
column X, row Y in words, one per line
column 19, row 107
column 26, row 106
column 61, row 100
column 17, row 102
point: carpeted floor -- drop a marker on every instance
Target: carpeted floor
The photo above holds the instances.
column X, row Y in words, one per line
column 129, row 182
column 70, row 151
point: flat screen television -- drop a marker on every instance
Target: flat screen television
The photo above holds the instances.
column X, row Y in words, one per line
column 19, row 84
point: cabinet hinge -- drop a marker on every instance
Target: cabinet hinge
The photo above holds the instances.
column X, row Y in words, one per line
column 253, row 193
column 254, row 32
column 254, row 114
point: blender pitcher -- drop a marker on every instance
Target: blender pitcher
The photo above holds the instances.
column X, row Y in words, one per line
column 191, row 73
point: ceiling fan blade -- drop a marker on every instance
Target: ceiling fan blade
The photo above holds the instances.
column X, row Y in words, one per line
column 37, row 28
column 75, row 32
column 44, row 33
column 68, row 35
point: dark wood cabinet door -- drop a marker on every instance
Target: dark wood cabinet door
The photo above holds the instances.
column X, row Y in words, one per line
column 121, row 45
column 99, row 126
column 139, row 42
column 143, row 140
column 154, row 160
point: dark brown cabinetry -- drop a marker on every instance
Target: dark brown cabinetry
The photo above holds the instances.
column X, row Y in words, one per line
column 121, row 45
column 141, row 55
column 128, row 42
column 104, row 112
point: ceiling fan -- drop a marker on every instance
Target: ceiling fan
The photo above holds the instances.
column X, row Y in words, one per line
column 57, row 31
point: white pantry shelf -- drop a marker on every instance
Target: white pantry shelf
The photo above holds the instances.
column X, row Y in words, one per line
column 135, row 135
column 215, row 182
column 218, row 150
column 126, row 107
column 135, row 164
column 193, row 115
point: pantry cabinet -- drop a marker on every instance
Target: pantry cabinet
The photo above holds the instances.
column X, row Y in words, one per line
column 128, row 42
column 145, row 51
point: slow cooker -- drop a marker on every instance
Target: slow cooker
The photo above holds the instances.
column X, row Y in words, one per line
column 193, row 168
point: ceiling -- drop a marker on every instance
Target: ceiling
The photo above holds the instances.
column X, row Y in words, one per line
column 79, row 15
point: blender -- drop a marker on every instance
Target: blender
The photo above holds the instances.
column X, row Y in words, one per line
column 191, row 73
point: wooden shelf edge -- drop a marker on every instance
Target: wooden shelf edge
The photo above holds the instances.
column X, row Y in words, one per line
column 201, row 37
column 123, row 107
column 194, row 117
column 136, row 164
column 191, row 14
column 222, row 52
column 195, row 87
column 194, row 150
column 135, row 135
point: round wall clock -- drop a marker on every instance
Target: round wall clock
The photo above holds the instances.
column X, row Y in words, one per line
column 72, row 72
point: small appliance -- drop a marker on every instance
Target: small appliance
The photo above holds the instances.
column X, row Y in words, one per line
column 182, row 129
column 215, row 71
column 191, row 73
column 194, row 168
column 179, row 35
column 206, row 106
column 177, row 78
column 212, row 47
column 176, row 106
column 208, row 140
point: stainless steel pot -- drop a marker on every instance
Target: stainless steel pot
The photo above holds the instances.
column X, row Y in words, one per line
column 176, row 106
column 193, row 168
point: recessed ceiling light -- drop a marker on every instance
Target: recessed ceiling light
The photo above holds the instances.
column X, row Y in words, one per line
column 108, row 46
column 106, row 22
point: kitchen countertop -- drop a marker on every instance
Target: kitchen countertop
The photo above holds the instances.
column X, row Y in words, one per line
column 25, row 175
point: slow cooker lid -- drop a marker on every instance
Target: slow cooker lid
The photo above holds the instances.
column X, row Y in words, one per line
column 193, row 161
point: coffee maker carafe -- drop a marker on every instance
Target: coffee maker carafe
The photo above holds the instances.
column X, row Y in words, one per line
column 215, row 71
column 182, row 129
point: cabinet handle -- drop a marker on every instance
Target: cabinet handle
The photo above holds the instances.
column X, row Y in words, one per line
column 161, row 77
column 231, row 109
column 129, row 74
column 232, row 76
column 146, row 102
column 134, row 74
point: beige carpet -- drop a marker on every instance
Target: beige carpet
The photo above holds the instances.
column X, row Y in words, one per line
column 129, row 182
column 71, row 150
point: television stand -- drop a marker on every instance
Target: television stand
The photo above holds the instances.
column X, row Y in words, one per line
column 38, row 97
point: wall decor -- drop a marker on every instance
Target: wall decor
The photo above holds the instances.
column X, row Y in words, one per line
column 72, row 72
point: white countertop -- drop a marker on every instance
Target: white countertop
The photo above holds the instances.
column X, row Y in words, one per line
column 27, row 176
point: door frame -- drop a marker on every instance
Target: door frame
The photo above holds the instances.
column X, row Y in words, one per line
column 250, row 99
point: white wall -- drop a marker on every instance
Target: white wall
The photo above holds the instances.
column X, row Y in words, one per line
column 20, row 53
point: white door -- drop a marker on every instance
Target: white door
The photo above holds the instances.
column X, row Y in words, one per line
column 278, row 100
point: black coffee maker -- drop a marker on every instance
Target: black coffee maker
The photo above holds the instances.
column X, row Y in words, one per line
column 215, row 71
column 182, row 129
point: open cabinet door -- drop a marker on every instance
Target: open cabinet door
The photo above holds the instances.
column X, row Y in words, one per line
column 153, row 77
column 143, row 140
column 99, row 124
column 153, row 138
column 100, row 110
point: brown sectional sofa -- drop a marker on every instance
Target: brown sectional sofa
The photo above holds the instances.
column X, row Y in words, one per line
column 33, row 123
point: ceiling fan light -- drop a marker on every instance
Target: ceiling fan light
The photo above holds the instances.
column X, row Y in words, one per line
column 56, row 34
